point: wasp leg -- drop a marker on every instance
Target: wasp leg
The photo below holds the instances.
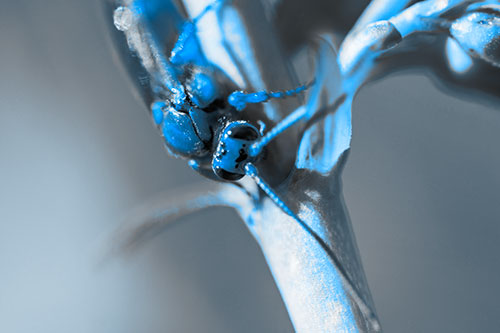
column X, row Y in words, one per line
column 187, row 48
column 240, row 99
column 148, row 50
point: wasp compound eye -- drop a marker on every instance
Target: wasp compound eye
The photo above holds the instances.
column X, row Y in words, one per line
column 202, row 90
column 180, row 134
column 232, row 153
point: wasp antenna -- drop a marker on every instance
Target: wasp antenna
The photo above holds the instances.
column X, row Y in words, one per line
column 312, row 106
column 240, row 99
column 251, row 170
column 297, row 115
column 302, row 112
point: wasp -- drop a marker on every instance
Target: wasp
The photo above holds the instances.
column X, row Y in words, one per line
column 197, row 108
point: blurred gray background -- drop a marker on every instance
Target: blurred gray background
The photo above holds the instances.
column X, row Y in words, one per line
column 78, row 151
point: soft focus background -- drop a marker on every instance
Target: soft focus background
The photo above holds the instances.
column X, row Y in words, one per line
column 78, row 152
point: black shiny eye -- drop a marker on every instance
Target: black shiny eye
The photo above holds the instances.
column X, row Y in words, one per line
column 226, row 175
column 244, row 132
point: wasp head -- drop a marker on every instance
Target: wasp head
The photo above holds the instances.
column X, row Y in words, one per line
column 232, row 153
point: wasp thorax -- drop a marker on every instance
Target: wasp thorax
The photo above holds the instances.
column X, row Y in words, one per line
column 232, row 153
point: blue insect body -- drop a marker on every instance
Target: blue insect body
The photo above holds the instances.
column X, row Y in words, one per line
column 197, row 108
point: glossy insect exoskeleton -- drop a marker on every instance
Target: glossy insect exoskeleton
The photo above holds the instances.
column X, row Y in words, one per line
column 191, row 129
column 233, row 150
column 205, row 129
column 197, row 107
